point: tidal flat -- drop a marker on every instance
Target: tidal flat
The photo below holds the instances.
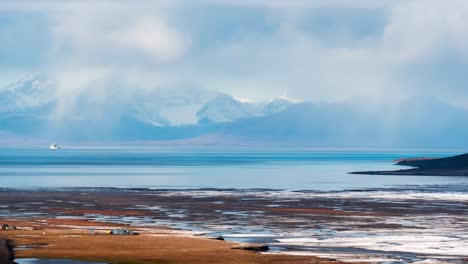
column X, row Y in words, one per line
column 408, row 224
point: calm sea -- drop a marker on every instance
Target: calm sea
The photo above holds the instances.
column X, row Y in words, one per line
column 289, row 169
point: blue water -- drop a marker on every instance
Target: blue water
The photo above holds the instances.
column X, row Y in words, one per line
column 292, row 169
column 52, row 261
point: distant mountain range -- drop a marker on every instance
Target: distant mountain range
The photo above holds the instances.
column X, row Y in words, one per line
column 224, row 108
column 33, row 109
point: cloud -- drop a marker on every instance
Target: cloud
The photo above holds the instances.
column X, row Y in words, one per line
column 110, row 36
column 151, row 37
column 300, row 65
column 93, row 50
column 305, row 3
column 420, row 30
column 322, row 50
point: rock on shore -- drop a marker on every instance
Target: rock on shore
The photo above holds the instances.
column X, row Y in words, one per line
column 252, row 247
column 7, row 255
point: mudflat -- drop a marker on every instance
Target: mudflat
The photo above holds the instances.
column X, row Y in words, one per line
column 71, row 239
column 179, row 225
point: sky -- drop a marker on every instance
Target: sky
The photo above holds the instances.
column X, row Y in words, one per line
column 315, row 50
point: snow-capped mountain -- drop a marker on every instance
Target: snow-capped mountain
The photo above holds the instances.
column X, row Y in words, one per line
column 30, row 93
column 28, row 111
column 32, row 107
column 106, row 103
column 277, row 105
column 225, row 108
column 166, row 107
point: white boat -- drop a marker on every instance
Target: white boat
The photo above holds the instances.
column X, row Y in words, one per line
column 54, row 147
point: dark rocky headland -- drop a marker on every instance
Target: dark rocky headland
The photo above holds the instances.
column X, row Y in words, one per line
column 449, row 166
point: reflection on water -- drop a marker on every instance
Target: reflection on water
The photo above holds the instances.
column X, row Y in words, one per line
column 207, row 168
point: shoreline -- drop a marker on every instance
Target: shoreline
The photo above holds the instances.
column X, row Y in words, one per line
column 70, row 239
column 347, row 226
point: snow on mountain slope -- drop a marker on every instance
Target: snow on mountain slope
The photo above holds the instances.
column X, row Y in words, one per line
column 31, row 107
column 277, row 105
column 30, row 93
column 166, row 107
column 225, row 108
column 101, row 113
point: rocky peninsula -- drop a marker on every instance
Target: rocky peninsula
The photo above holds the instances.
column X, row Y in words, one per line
column 449, row 166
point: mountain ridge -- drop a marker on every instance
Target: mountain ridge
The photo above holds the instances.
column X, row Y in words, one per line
column 199, row 116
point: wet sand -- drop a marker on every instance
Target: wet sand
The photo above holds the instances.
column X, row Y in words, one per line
column 71, row 239
column 403, row 225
